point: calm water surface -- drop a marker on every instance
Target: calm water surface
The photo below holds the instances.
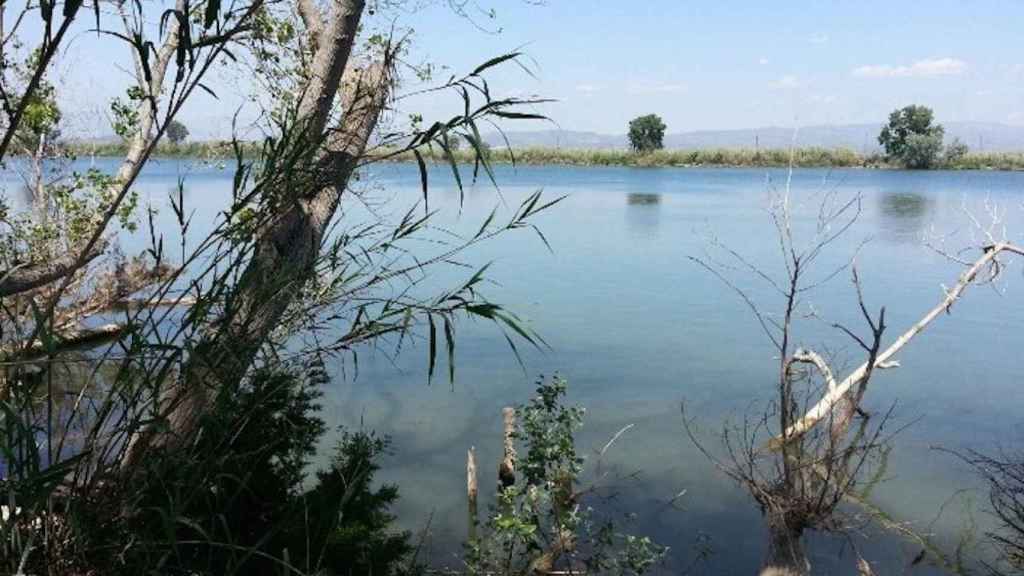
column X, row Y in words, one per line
column 638, row 329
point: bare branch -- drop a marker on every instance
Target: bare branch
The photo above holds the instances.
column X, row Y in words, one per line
column 750, row 303
column 812, row 357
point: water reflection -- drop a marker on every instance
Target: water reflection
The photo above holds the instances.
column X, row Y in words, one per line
column 903, row 215
column 642, row 199
column 643, row 211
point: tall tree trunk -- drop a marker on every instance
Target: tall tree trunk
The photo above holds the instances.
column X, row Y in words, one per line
column 786, row 556
column 289, row 245
column 40, row 201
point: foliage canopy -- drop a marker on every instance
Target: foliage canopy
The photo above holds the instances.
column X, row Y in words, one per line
column 646, row 133
column 177, row 132
column 911, row 138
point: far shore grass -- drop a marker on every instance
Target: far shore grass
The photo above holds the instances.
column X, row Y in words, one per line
column 726, row 157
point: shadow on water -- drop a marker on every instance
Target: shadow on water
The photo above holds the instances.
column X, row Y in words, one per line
column 643, row 199
column 643, row 211
column 903, row 215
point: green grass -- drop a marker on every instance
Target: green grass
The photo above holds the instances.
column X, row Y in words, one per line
column 776, row 157
column 990, row 161
column 206, row 149
column 717, row 157
column 800, row 157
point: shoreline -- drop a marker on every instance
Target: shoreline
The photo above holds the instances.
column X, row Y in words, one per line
column 701, row 158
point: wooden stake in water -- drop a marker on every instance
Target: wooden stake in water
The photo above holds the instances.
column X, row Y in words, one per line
column 471, row 492
column 507, row 468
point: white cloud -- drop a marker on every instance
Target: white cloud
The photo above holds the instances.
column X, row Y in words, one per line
column 657, row 89
column 1015, row 118
column 786, row 82
column 984, row 93
column 919, row 69
column 762, row 61
column 818, row 38
column 587, row 88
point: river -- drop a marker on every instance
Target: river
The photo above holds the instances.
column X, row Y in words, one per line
column 638, row 329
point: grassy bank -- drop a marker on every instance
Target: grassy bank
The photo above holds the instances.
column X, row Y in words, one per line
column 206, row 149
column 804, row 157
column 800, row 157
column 731, row 157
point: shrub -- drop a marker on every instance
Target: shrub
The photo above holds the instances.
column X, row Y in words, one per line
column 541, row 522
column 353, row 525
column 922, row 150
column 955, row 152
column 177, row 132
column 235, row 502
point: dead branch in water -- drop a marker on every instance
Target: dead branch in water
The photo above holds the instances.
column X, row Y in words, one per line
column 988, row 262
column 31, row 276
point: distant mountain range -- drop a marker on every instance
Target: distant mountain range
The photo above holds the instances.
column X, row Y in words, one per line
column 979, row 136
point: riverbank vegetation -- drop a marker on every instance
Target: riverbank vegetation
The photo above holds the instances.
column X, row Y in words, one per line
column 159, row 409
column 721, row 157
column 725, row 157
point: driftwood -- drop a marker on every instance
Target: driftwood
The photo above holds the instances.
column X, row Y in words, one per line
column 31, row 276
column 74, row 339
column 112, row 291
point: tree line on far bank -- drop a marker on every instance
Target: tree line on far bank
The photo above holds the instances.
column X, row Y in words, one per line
column 911, row 139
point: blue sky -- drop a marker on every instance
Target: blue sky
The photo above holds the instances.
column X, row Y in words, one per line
column 700, row 65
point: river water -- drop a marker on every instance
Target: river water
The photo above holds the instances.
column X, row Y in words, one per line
column 638, row 329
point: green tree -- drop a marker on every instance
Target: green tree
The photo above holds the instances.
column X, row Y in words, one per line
column 143, row 482
column 922, row 151
column 646, row 133
column 177, row 132
column 911, row 138
column 955, row 152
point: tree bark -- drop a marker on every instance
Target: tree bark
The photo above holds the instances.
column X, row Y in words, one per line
column 288, row 247
column 507, row 466
column 471, row 494
column 148, row 107
column 786, row 555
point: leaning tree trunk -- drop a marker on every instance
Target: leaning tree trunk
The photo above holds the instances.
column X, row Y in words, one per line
column 289, row 245
column 786, row 556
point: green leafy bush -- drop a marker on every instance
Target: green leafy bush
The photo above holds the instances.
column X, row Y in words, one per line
column 237, row 502
column 541, row 522
column 352, row 525
column 955, row 152
column 922, row 151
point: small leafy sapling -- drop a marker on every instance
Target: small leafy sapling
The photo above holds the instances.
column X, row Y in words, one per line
column 543, row 522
